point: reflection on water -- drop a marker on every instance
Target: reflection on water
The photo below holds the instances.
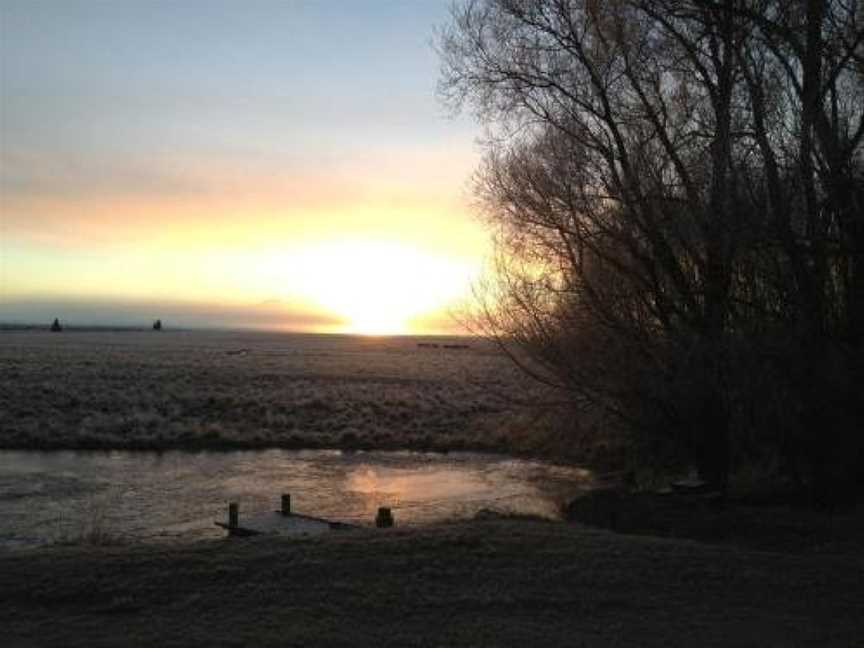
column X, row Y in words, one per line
column 51, row 496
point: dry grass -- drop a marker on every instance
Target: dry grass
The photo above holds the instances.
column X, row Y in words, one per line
column 187, row 389
column 496, row 583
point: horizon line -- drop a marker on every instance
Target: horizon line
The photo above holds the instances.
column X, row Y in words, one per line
column 107, row 327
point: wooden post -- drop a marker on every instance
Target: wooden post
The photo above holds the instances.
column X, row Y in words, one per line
column 233, row 515
column 286, row 504
column 384, row 519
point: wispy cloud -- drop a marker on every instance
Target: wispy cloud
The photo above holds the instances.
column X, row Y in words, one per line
column 278, row 314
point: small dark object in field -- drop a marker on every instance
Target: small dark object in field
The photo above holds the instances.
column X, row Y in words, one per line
column 427, row 345
column 55, row 327
column 455, row 346
column 691, row 486
column 488, row 514
column 349, row 440
column 157, row 325
column 384, row 519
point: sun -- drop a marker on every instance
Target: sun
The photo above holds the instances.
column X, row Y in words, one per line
column 378, row 287
column 374, row 317
column 370, row 304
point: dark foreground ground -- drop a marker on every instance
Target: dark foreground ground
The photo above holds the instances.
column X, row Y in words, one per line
column 481, row 583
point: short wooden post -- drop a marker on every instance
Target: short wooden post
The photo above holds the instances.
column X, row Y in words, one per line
column 384, row 519
column 233, row 515
column 286, row 504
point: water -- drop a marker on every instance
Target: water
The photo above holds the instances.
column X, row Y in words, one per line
column 50, row 497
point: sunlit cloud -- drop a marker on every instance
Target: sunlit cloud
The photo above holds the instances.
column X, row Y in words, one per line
column 269, row 315
column 387, row 190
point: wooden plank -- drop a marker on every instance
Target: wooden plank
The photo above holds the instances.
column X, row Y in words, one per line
column 276, row 523
column 236, row 531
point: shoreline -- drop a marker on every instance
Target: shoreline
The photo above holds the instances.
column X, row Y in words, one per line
column 244, row 446
column 228, row 445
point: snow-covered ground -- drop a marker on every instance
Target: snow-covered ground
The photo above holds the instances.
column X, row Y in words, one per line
column 86, row 389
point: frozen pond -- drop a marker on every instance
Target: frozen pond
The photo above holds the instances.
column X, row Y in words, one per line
column 50, row 497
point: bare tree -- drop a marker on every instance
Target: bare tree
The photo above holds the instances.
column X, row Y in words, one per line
column 667, row 182
column 803, row 69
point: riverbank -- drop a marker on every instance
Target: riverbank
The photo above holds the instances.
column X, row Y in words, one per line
column 745, row 521
column 495, row 582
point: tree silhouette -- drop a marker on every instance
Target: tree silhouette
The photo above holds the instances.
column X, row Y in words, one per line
column 675, row 190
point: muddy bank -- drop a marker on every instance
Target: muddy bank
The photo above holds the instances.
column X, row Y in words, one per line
column 479, row 583
column 782, row 524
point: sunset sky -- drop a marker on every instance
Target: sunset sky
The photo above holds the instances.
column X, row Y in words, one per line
column 264, row 164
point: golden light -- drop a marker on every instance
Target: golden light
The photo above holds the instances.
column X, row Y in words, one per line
column 377, row 286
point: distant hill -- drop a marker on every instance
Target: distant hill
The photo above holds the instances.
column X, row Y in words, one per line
column 92, row 328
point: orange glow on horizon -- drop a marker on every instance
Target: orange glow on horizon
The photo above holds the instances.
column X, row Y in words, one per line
column 379, row 287
column 382, row 263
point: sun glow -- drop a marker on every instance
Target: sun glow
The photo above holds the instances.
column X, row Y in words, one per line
column 378, row 286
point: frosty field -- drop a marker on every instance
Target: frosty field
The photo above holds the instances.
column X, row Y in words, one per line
column 144, row 389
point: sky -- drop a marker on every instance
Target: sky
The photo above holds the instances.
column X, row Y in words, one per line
column 247, row 163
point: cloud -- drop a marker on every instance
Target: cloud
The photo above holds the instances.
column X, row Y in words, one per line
column 30, row 175
column 273, row 314
column 111, row 200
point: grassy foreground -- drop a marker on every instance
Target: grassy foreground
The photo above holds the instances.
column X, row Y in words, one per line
column 493, row 582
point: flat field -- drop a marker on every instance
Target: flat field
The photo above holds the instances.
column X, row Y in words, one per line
column 145, row 389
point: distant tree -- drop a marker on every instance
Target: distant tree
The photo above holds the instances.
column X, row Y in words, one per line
column 55, row 326
column 675, row 188
column 157, row 325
